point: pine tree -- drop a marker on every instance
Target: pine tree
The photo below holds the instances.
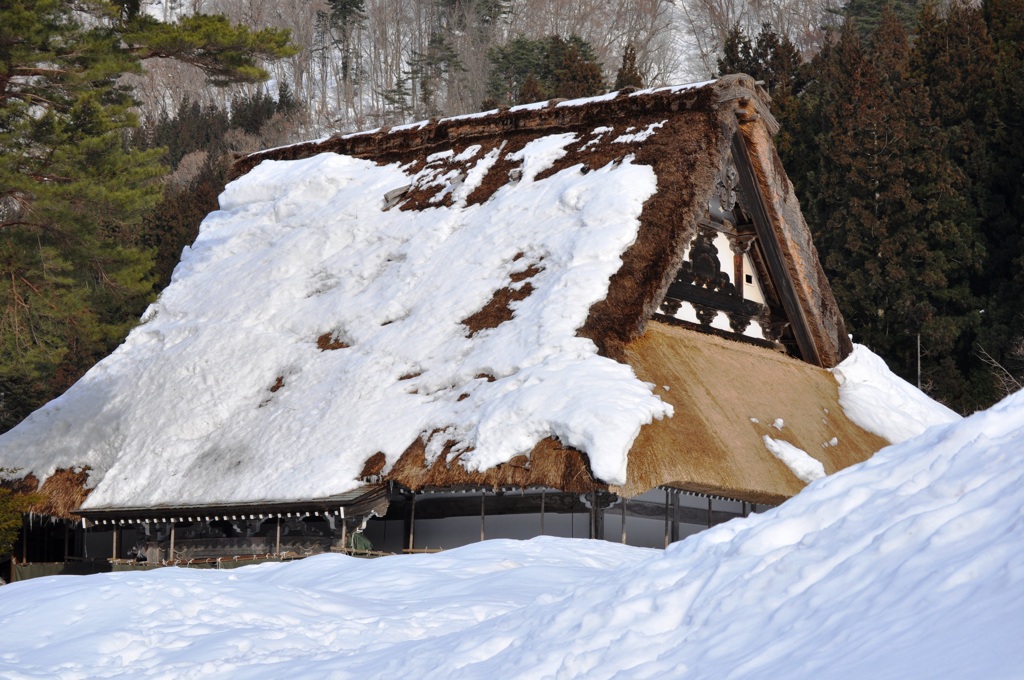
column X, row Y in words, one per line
column 71, row 194
column 565, row 68
column 888, row 220
column 775, row 61
column 867, row 14
column 74, row 273
column 628, row 74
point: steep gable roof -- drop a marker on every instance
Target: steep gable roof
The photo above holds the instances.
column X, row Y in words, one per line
column 453, row 301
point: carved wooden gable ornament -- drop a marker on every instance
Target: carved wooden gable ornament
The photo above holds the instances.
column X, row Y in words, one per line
column 725, row 285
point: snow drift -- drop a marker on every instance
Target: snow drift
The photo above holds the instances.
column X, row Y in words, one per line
column 906, row 566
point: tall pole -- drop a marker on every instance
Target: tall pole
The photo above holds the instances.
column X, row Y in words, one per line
column 919, row 360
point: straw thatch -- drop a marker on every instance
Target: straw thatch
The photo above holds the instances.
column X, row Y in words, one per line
column 726, row 396
column 60, row 495
column 549, row 464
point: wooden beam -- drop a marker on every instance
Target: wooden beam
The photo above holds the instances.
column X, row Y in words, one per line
column 711, row 330
column 668, row 535
column 754, row 204
column 468, row 505
column 711, row 298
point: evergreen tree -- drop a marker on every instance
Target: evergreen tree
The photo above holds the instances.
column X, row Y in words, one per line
column 434, row 70
column 342, row 20
column 227, row 53
column 251, row 112
column 770, row 58
column 1004, row 219
column 70, row 196
column 559, row 67
column 74, row 274
column 888, row 220
column 574, row 69
column 867, row 14
column 628, row 74
column 953, row 55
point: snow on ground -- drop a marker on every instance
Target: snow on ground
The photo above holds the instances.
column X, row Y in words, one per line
column 910, row 565
column 205, row 401
column 881, row 402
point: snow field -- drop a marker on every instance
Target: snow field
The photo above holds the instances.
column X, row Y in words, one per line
column 910, row 565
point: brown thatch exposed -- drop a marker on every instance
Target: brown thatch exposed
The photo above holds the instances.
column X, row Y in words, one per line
column 499, row 309
column 726, row 396
column 719, row 388
column 549, row 464
column 62, row 493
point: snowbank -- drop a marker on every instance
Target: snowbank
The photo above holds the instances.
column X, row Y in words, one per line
column 906, row 566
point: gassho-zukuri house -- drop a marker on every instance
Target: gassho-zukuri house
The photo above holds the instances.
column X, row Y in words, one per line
column 595, row 318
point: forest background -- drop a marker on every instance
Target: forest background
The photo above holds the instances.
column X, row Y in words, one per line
column 902, row 132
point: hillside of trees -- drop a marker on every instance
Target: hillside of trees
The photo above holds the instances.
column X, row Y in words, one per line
column 900, row 131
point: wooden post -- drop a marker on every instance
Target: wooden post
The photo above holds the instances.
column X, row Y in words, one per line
column 737, row 270
column 483, row 495
column 542, row 512
column 277, row 549
column 667, row 527
column 623, row 520
column 709, row 512
column 116, row 532
column 170, row 556
column 592, row 529
column 675, row 516
column 412, row 523
column 597, row 515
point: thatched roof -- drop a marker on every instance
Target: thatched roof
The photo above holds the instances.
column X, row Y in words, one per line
column 637, row 169
column 728, row 396
column 697, row 128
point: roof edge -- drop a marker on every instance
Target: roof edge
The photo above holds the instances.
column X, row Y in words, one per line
column 528, row 117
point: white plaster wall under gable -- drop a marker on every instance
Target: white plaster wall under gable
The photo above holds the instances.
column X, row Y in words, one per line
column 751, row 291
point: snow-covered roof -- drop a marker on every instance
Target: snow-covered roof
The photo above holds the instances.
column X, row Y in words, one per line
column 458, row 294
